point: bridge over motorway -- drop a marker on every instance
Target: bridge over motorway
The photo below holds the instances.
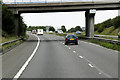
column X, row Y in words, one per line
column 89, row 7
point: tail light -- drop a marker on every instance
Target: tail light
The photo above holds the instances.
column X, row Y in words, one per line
column 66, row 39
column 76, row 39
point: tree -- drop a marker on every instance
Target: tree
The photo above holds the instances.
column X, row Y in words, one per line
column 8, row 24
column 72, row 30
column 78, row 28
column 63, row 28
column 52, row 29
column 116, row 22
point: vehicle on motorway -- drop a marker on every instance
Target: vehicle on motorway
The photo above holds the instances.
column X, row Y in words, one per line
column 33, row 31
column 39, row 31
column 60, row 31
column 119, row 35
column 71, row 38
column 78, row 32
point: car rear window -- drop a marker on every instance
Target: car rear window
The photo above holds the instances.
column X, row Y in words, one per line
column 71, row 36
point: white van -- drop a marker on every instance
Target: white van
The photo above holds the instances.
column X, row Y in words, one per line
column 39, row 31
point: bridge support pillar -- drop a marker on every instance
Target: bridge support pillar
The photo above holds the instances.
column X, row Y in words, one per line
column 17, row 23
column 90, row 23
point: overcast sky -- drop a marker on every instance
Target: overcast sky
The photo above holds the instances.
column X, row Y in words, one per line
column 69, row 19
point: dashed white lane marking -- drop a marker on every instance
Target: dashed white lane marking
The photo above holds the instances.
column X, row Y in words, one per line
column 63, row 43
column 91, row 65
column 107, row 75
column 27, row 62
column 80, row 56
column 66, row 45
column 74, row 51
column 100, row 73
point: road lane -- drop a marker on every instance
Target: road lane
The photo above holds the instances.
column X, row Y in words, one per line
column 55, row 60
column 105, row 59
column 14, row 59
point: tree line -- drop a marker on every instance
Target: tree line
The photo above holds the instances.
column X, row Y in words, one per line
column 8, row 24
column 51, row 28
column 63, row 28
column 108, row 23
column 77, row 28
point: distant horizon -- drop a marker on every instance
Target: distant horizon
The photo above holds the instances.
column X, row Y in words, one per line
column 63, row 25
column 68, row 19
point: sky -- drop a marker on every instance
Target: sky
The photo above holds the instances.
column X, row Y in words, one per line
column 68, row 19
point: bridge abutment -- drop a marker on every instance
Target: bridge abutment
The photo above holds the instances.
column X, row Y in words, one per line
column 89, row 23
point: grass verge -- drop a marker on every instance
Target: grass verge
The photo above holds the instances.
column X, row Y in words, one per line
column 9, row 45
column 106, row 44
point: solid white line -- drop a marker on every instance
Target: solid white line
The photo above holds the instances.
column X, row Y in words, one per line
column 27, row 62
column 80, row 56
column 91, row 65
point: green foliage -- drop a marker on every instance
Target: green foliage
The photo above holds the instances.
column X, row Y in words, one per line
column 116, row 22
column 36, row 27
column 77, row 28
column 52, row 29
column 7, row 21
column 8, row 24
column 107, row 24
column 106, row 44
column 107, row 31
column 7, row 46
column 63, row 28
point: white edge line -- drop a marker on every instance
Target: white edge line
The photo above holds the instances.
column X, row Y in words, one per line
column 27, row 62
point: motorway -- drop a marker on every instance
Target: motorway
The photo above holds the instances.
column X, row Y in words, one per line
column 53, row 59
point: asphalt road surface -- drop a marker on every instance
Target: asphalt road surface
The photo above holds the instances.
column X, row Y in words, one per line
column 53, row 59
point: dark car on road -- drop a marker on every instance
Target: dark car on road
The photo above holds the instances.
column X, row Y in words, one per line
column 119, row 35
column 71, row 39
